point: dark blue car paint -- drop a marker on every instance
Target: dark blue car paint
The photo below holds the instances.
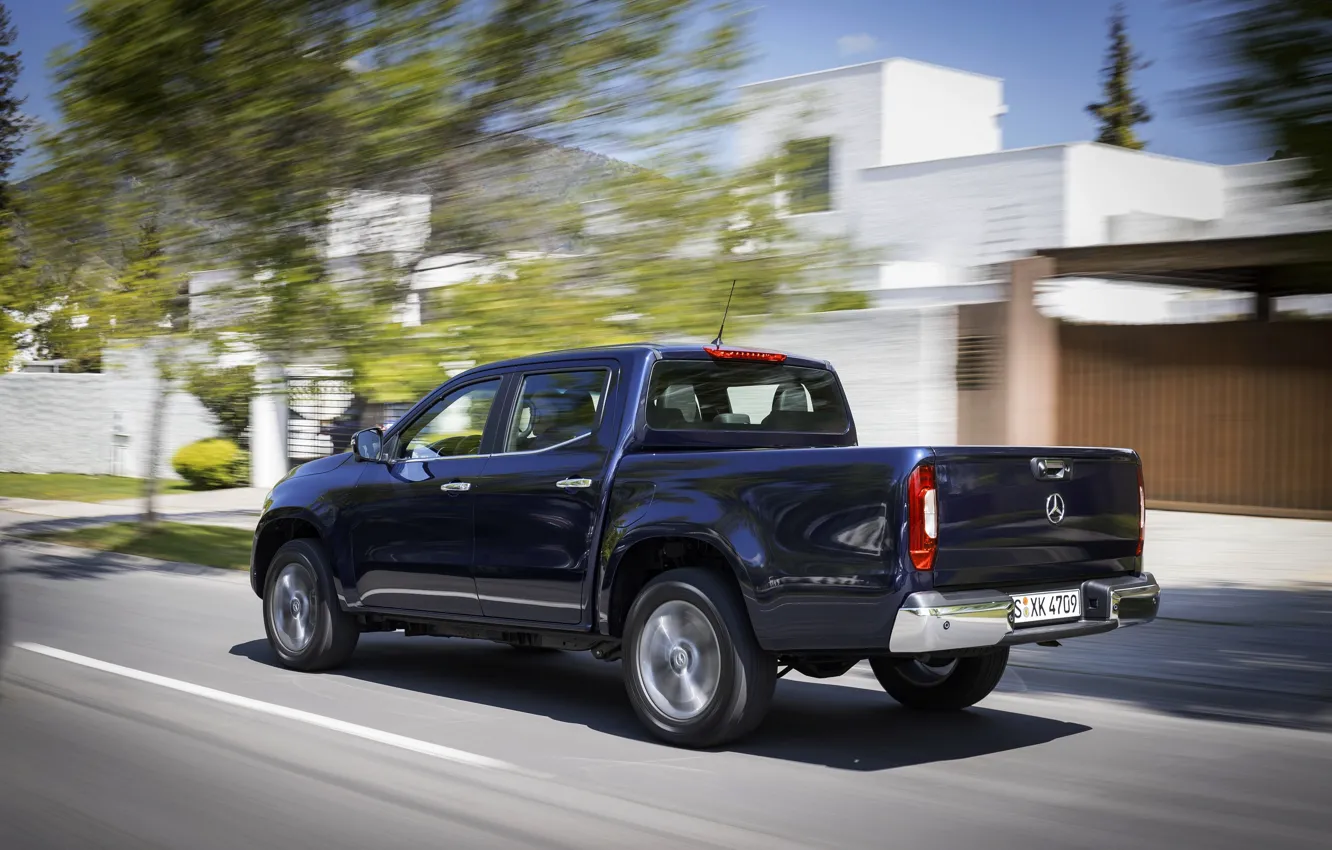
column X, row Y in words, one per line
column 816, row 536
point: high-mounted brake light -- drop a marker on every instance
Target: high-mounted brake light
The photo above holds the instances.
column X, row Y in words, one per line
column 922, row 516
column 1142, row 512
column 719, row 353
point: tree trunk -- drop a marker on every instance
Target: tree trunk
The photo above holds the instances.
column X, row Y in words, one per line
column 157, row 424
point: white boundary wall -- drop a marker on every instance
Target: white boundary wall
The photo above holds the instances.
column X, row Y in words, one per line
column 96, row 423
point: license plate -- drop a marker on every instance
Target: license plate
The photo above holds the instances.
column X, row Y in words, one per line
column 1031, row 608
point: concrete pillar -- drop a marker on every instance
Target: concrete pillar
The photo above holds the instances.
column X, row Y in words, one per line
column 1031, row 361
column 268, row 427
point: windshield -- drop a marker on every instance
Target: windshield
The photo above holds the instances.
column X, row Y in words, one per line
column 688, row 395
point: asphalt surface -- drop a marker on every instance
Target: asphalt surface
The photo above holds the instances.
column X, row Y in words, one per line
column 1207, row 729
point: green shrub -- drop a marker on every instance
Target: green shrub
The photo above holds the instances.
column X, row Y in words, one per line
column 211, row 464
column 845, row 300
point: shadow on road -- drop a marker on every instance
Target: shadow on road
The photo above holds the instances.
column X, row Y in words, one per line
column 815, row 723
column 83, row 564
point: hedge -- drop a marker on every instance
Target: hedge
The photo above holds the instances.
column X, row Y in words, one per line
column 212, row 464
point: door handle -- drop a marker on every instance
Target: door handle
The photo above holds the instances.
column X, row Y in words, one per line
column 574, row 483
column 456, row 487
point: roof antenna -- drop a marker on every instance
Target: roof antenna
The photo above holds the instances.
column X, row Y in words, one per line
column 718, row 340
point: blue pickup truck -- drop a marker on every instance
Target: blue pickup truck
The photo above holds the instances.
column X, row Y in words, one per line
column 704, row 515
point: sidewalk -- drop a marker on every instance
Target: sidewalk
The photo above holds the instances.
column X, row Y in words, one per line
column 237, row 508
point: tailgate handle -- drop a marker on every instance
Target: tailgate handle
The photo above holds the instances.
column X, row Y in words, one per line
column 1051, row 468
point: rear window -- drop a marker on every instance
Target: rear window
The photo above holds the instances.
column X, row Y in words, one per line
column 690, row 395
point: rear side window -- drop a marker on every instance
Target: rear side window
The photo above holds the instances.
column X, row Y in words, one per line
column 556, row 407
column 689, row 395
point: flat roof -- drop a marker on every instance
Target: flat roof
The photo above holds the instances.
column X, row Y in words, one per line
column 1280, row 264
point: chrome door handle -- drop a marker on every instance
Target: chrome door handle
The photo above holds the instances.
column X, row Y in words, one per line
column 456, row 487
column 574, row 483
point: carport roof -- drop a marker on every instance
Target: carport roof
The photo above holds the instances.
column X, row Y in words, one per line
column 1283, row 264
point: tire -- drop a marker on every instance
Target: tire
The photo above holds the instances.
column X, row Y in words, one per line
column 300, row 573
column 949, row 685
column 710, row 646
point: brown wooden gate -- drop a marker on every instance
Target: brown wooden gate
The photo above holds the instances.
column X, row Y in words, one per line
column 1225, row 415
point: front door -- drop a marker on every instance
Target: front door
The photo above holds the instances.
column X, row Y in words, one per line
column 412, row 523
column 539, row 498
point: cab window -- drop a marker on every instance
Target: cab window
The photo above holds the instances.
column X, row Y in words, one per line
column 452, row 426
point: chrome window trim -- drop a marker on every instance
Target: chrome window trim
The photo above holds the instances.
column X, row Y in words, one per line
column 582, row 436
column 435, row 459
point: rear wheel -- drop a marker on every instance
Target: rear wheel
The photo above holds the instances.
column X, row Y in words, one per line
column 306, row 627
column 695, row 673
column 946, row 684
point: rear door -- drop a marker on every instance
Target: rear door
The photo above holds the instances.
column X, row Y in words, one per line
column 539, row 499
column 1035, row 517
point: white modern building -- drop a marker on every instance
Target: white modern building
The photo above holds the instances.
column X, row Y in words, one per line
column 916, row 171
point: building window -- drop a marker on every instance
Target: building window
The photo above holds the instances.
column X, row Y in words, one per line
column 811, row 177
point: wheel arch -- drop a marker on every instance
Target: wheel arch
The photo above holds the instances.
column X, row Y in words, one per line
column 650, row 551
column 271, row 535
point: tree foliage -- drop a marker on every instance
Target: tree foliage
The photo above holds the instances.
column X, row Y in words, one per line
column 248, row 119
column 15, row 283
column 13, row 124
column 1120, row 110
column 226, row 393
column 1272, row 59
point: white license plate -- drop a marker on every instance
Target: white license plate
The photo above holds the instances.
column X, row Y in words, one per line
column 1042, row 607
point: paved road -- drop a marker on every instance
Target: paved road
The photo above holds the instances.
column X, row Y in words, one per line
column 1209, row 729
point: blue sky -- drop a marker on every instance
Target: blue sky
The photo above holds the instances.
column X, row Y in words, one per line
column 1049, row 53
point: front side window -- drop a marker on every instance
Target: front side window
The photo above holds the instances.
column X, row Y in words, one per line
column 556, row 407
column 452, row 427
column 686, row 395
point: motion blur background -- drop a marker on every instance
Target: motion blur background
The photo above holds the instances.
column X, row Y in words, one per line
column 233, row 232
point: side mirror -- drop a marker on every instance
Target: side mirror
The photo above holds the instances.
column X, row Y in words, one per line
column 368, row 445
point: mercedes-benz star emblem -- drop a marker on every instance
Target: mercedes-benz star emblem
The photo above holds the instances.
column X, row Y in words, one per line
column 1054, row 508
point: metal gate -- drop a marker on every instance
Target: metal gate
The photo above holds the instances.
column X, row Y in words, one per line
column 1225, row 415
column 322, row 414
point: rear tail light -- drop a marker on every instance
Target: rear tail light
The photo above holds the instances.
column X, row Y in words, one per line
column 922, row 516
column 1142, row 512
column 719, row 353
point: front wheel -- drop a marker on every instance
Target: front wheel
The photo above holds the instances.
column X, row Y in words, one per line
column 305, row 625
column 948, row 684
column 695, row 673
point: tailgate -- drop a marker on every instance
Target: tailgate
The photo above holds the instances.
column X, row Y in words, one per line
column 1028, row 517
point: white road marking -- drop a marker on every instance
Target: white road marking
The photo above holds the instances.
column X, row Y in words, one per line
column 402, row 742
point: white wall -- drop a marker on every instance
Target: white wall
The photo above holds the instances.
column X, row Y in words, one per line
column 1260, row 201
column 94, row 423
column 843, row 103
column 965, row 212
column 1105, row 181
column 897, row 367
column 931, row 112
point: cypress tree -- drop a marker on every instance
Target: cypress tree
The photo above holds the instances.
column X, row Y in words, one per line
column 12, row 123
column 1121, row 109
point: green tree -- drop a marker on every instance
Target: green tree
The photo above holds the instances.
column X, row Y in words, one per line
column 1271, row 59
column 1120, row 110
column 144, row 303
column 226, row 394
column 13, row 277
column 13, row 124
column 251, row 119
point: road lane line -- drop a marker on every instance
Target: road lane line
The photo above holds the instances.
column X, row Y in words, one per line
column 402, row 742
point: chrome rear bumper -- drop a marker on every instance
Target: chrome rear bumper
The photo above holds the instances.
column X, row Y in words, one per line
column 931, row 621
